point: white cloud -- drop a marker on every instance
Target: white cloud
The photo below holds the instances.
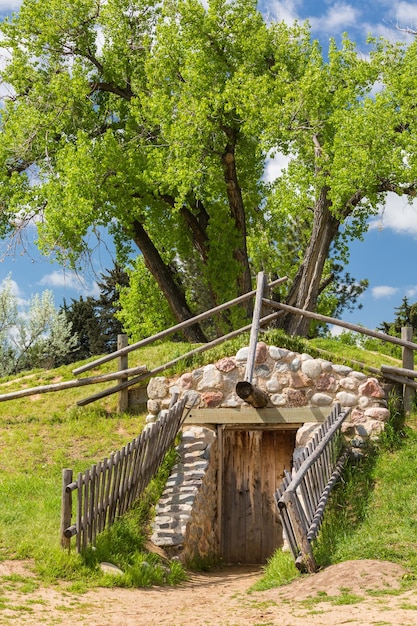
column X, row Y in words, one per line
column 339, row 16
column 335, row 331
column 69, row 280
column 397, row 215
column 7, row 6
column 283, row 11
column 384, row 291
column 411, row 292
column 274, row 166
column 404, row 15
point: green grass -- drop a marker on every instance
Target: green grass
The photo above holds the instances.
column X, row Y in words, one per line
column 372, row 512
column 279, row 571
column 40, row 435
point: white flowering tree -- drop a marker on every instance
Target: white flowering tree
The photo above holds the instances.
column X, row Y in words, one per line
column 36, row 335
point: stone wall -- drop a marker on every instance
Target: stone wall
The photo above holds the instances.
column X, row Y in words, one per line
column 186, row 520
column 186, row 515
column 290, row 380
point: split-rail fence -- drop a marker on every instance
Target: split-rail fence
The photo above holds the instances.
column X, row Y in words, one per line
column 303, row 495
column 107, row 490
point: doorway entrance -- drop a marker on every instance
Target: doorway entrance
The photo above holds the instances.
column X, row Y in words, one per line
column 252, row 466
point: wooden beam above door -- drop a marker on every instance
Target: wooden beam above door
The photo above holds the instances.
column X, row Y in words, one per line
column 249, row 415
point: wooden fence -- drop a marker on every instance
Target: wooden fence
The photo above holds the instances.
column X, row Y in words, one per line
column 109, row 488
column 302, row 497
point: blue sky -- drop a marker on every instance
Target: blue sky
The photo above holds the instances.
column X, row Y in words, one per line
column 385, row 257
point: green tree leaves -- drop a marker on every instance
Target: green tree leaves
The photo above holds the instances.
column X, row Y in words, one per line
column 156, row 119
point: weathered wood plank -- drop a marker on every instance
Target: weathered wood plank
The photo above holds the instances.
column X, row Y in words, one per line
column 253, row 496
column 253, row 341
column 165, row 366
column 79, row 511
column 69, row 384
column 249, row 415
column 401, row 371
column 229, row 488
column 106, row 490
column 331, row 320
column 174, row 329
column 66, row 507
column 85, row 518
column 254, row 462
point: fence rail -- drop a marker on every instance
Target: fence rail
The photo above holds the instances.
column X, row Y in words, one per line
column 302, row 497
column 108, row 489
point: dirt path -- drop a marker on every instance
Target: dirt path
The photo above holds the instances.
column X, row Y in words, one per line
column 356, row 592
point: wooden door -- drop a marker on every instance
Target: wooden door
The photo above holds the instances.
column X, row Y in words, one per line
column 253, row 464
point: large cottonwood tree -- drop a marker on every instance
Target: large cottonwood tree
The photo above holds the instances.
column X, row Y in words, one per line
column 155, row 119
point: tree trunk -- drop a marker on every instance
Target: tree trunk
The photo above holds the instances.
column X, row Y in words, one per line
column 237, row 211
column 165, row 279
column 306, row 285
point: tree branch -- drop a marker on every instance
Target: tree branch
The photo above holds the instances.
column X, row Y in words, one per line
column 124, row 92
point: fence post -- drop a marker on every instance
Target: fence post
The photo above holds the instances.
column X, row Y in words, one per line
column 408, row 363
column 300, row 532
column 123, row 395
column 66, row 507
column 245, row 389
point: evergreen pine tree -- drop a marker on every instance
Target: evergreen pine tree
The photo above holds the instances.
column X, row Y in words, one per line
column 93, row 319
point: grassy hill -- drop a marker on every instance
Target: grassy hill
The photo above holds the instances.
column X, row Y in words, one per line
column 44, row 433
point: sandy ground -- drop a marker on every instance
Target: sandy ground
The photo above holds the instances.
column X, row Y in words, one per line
column 355, row 592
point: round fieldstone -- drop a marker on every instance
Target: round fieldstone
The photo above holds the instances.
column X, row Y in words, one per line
column 211, row 379
column 242, row 354
column 358, row 375
column 277, row 353
column 186, row 381
column 261, row 353
column 192, row 398
column 343, row 370
column 281, row 367
column 350, row 384
column 230, row 380
column 226, row 364
column 262, row 371
column 232, row 401
column 153, row 406
column 378, row 413
column 364, row 402
column 278, row 399
column 295, row 364
column 326, row 382
column 321, row 399
column 311, row 368
column 347, row 399
column 372, row 388
column 356, row 416
column 157, row 387
column 212, row 398
column 273, row 385
column 305, row 434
